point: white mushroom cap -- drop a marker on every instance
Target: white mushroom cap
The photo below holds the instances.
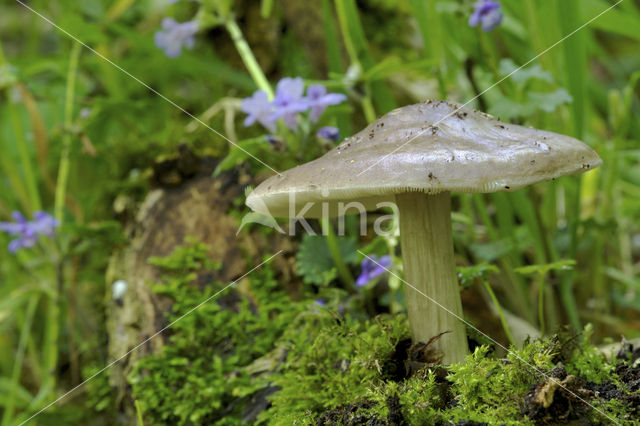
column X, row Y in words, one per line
column 466, row 151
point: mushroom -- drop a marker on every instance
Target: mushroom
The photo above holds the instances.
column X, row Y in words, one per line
column 415, row 156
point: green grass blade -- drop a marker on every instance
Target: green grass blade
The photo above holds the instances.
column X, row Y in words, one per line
column 356, row 43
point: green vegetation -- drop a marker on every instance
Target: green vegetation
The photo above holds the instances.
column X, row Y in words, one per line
column 204, row 374
column 347, row 373
column 86, row 132
column 317, row 365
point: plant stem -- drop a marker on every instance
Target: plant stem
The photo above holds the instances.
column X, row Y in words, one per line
column 566, row 284
column 575, row 57
column 15, row 181
column 17, row 363
column 25, row 159
column 367, row 104
column 429, row 269
column 368, row 109
column 63, row 169
column 431, row 32
column 266, row 7
column 50, row 341
column 541, row 320
column 9, row 167
column 346, row 34
column 516, row 291
column 139, row 412
column 503, row 320
column 247, row 56
column 3, row 60
column 334, row 249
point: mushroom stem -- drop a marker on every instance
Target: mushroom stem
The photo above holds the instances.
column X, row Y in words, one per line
column 429, row 266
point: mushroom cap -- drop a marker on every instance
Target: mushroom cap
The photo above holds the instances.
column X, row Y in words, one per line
column 432, row 147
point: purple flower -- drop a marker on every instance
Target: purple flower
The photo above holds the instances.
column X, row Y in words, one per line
column 16, row 228
column 319, row 100
column 372, row 267
column 28, row 232
column 289, row 101
column 331, row 133
column 319, row 302
column 44, row 224
column 487, row 13
column 26, row 235
column 175, row 35
column 259, row 109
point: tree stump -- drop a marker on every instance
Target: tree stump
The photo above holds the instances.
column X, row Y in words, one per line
column 190, row 203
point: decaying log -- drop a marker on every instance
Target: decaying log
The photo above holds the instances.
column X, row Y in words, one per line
column 191, row 204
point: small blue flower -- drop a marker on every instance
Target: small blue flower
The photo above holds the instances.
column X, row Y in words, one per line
column 16, row 228
column 487, row 13
column 28, row 232
column 319, row 302
column 44, row 224
column 289, row 101
column 258, row 108
column 328, row 132
column 175, row 35
column 372, row 267
column 21, row 228
column 319, row 100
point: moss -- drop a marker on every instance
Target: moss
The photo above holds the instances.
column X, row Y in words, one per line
column 98, row 392
column 337, row 371
column 253, row 354
column 201, row 376
column 587, row 361
column 332, row 360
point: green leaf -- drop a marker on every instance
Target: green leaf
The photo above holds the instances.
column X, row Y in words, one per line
column 12, row 302
column 314, row 260
column 240, row 152
column 467, row 275
column 393, row 65
column 7, row 76
column 489, row 252
column 561, row 265
column 82, row 29
column 534, row 72
column 22, row 395
column 506, row 109
column 548, row 102
column 615, row 20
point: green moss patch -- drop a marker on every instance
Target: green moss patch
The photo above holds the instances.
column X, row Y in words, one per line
column 253, row 355
column 205, row 372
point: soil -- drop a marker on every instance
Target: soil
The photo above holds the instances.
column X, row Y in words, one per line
column 355, row 414
column 563, row 398
column 350, row 414
column 409, row 358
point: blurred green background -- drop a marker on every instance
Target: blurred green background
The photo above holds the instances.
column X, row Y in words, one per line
column 80, row 135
